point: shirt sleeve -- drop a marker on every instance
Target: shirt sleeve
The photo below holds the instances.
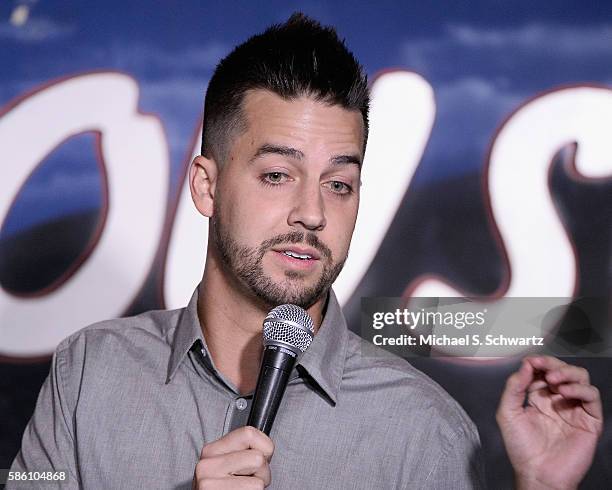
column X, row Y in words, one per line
column 460, row 466
column 48, row 441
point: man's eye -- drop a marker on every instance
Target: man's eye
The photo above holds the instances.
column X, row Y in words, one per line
column 273, row 178
column 339, row 187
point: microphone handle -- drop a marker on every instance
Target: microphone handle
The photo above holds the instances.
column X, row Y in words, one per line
column 276, row 367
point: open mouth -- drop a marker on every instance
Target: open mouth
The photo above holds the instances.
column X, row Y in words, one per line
column 295, row 255
column 298, row 252
column 298, row 257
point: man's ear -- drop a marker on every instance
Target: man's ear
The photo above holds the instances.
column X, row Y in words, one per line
column 203, row 175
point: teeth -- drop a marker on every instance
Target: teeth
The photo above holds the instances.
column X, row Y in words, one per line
column 296, row 255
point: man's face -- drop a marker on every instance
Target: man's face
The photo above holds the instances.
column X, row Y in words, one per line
column 286, row 200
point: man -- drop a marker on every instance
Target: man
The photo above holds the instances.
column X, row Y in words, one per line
column 161, row 400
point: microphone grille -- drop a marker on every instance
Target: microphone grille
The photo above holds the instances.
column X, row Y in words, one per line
column 289, row 325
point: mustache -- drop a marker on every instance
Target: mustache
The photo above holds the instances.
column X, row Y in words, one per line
column 297, row 237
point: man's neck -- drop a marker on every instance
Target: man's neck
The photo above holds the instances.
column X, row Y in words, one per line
column 231, row 323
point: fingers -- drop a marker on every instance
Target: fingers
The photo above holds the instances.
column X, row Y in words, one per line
column 234, row 483
column 587, row 394
column 243, row 438
column 555, row 373
column 543, row 367
column 571, row 382
column 545, row 363
column 514, row 392
column 248, row 462
column 546, row 372
column 568, row 374
column 240, row 459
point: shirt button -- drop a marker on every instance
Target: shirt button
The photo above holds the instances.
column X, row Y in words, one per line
column 241, row 403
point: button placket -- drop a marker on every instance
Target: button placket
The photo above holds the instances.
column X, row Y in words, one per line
column 241, row 403
column 238, row 412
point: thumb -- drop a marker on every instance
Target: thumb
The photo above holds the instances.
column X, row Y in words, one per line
column 513, row 396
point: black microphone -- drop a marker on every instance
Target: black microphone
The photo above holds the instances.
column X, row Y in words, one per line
column 287, row 332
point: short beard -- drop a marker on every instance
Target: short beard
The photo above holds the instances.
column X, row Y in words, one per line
column 246, row 264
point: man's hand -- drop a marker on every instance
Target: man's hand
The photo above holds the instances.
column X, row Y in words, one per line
column 239, row 460
column 551, row 441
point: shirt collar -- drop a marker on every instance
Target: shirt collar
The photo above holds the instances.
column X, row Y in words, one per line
column 323, row 361
column 186, row 333
column 325, row 358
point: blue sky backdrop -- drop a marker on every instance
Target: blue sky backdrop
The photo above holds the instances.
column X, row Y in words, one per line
column 483, row 58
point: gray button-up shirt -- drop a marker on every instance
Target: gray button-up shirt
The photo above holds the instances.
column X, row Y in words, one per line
column 129, row 403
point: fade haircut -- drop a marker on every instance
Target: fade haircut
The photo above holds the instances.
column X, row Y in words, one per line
column 294, row 59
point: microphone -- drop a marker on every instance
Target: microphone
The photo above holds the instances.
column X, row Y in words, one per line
column 287, row 332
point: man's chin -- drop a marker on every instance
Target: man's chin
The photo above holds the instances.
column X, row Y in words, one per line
column 288, row 277
column 290, row 291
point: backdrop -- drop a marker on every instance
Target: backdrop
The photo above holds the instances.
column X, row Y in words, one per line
column 488, row 171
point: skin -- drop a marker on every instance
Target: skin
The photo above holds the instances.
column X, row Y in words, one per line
column 551, row 442
column 261, row 202
column 257, row 199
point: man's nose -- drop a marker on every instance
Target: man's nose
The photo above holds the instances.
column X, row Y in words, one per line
column 308, row 209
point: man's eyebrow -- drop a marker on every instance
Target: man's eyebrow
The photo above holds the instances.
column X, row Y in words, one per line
column 286, row 151
column 347, row 159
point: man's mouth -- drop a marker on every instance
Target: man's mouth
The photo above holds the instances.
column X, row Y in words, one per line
column 299, row 253
column 296, row 255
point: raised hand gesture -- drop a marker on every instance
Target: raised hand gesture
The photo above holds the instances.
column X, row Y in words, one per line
column 550, row 417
